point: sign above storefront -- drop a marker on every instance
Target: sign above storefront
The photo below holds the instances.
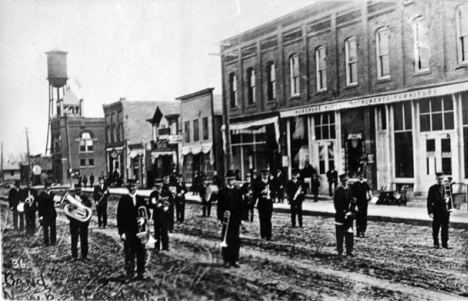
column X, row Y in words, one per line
column 173, row 139
column 377, row 100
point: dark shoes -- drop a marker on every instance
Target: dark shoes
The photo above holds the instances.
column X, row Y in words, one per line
column 350, row 255
column 436, row 246
column 227, row 265
column 74, row 259
column 447, row 247
column 235, row 265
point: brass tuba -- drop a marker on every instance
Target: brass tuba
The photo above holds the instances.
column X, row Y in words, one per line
column 142, row 220
column 74, row 209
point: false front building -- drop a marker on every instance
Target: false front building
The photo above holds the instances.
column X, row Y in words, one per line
column 378, row 87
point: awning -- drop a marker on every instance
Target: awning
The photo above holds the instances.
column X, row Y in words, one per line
column 379, row 99
column 196, row 149
column 157, row 154
column 135, row 153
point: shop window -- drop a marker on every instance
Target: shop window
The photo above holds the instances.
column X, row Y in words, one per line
column 294, row 75
column 251, row 85
column 325, row 126
column 195, row 131
column 233, row 90
column 421, row 45
column 321, row 68
column 205, row 128
column 383, row 57
column 436, row 114
column 299, row 142
column 86, row 142
column 351, row 61
column 271, row 81
column 462, row 34
column 402, row 116
column 187, row 131
column 326, row 157
column 404, row 154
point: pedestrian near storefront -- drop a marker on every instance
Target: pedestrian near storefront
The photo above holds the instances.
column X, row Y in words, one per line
column 315, row 185
column 345, row 207
column 79, row 229
column 296, row 193
column 167, row 189
column 248, row 199
column 306, row 174
column 206, row 203
column 363, row 194
column 262, row 193
column 129, row 223
column 280, row 185
column 216, row 180
column 13, row 201
column 439, row 208
column 230, row 200
column 28, row 196
column 47, row 214
column 100, row 196
column 91, row 180
column 196, row 181
column 181, row 190
column 85, row 181
column 332, row 178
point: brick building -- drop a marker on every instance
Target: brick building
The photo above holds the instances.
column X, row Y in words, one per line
column 201, row 120
column 77, row 142
column 375, row 86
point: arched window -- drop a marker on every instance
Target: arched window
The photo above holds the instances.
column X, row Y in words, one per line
column 382, row 50
column 294, row 74
column 462, row 34
column 271, row 81
column 421, row 45
column 86, row 142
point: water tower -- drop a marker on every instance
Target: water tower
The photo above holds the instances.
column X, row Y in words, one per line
column 57, row 77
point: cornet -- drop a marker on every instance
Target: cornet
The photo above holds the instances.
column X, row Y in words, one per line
column 74, row 209
column 227, row 217
column 28, row 201
column 448, row 196
column 142, row 220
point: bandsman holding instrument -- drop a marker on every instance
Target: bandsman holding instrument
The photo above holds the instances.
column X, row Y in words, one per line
column 296, row 193
column 160, row 203
column 181, row 190
column 171, row 191
column 47, row 214
column 230, row 213
column 100, row 196
column 79, row 228
column 13, row 200
column 345, row 206
column 130, row 222
column 263, row 193
column 363, row 194
column 29, row 197
column 248, row 199
column 439, row 206
column 205, row 197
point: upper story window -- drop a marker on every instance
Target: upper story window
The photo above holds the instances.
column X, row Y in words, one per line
column 351, row 61
column 196, row 135
column 383, row 56
column 436, row 114
column 294, row 74
column 325, row 126
column 205, row 128
column 421, row 45
column 462, row 34
column 321, row 68
column 251, row 85
column 271, row 81
column 233, row 90
column 114, row 134
column 86, row 142
column 108, row 134
column 187, row 131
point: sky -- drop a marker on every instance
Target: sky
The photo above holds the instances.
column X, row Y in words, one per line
column 141, row 50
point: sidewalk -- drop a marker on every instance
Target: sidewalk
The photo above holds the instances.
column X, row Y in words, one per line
column 416, row 215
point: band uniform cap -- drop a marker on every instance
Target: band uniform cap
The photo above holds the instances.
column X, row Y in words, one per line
column 248, row 174
column 265, row 171
column 439, row 174
column 230, row 174
column 343, row 177
column 131, row 182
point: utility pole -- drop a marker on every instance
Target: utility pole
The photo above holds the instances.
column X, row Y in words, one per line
column 3, row 175
column 29, row 155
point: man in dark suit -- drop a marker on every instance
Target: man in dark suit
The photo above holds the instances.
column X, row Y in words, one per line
column 79, row 228
column 160, row 203
column 29, row 197
column 181, row 190
column 100, row 196
column 171, row 190
column 206, row 203
column 361, row 191
column 280, row 185
column 345, row 206
column 263, row 194
column 438, row 208
column 248, row 200
column 129, row 224
column 230, row 200
column 296, row 193
column 13, row 201
column 47, row 214
column 332, row 177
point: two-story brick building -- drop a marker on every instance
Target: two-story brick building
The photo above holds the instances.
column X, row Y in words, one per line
column 201, row 120
column 378, row 86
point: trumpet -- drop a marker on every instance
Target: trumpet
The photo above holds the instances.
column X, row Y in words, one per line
column 267, row 192
column 448, row 196
column 163, row 203
column 298, row 191
column 227, row 217
column 142, row 220
column 74, row 209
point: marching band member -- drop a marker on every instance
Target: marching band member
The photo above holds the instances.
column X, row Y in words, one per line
column 248, row 199
column 29, row 197
column 230, row 199
column 438, row 208
column 345, row 206
column 47, row 214
column 280, row 185
column 361, row 190
column 206, row 204
column 315, row 185
column 13, row 200
column 263, row 195
column 79, row 228
column 180, row 199
column 128, row 223
column 171, row 191
column 160, row 203
column 296, row 193
column 100, row 196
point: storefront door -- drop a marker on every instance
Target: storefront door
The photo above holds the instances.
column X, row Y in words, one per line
column 437, row 157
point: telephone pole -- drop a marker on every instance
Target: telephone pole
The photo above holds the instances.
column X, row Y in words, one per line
column 3, row 175
column 29, row 156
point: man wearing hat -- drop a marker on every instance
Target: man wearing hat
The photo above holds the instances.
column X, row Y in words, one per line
column 100, row 196
column 29, row 197
column 230, row 200
column 169, row 190
column 79, row 228
column 345, row 206
column 361, row 191
column 181, row 190
column 47, row 214
column 296, row 193
column 248, row 200
column 160, row 203
column 438, row 208
column 263, row 194
column 128, row 223
column 13, row 201
column 206, row 204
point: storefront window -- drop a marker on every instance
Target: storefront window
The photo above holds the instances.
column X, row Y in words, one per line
column 299, row 142
column 249, row 150
column 325, row 126
column 403, row 140
column 436, row 114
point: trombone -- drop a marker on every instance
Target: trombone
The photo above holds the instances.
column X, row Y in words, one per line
column 227, row 217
